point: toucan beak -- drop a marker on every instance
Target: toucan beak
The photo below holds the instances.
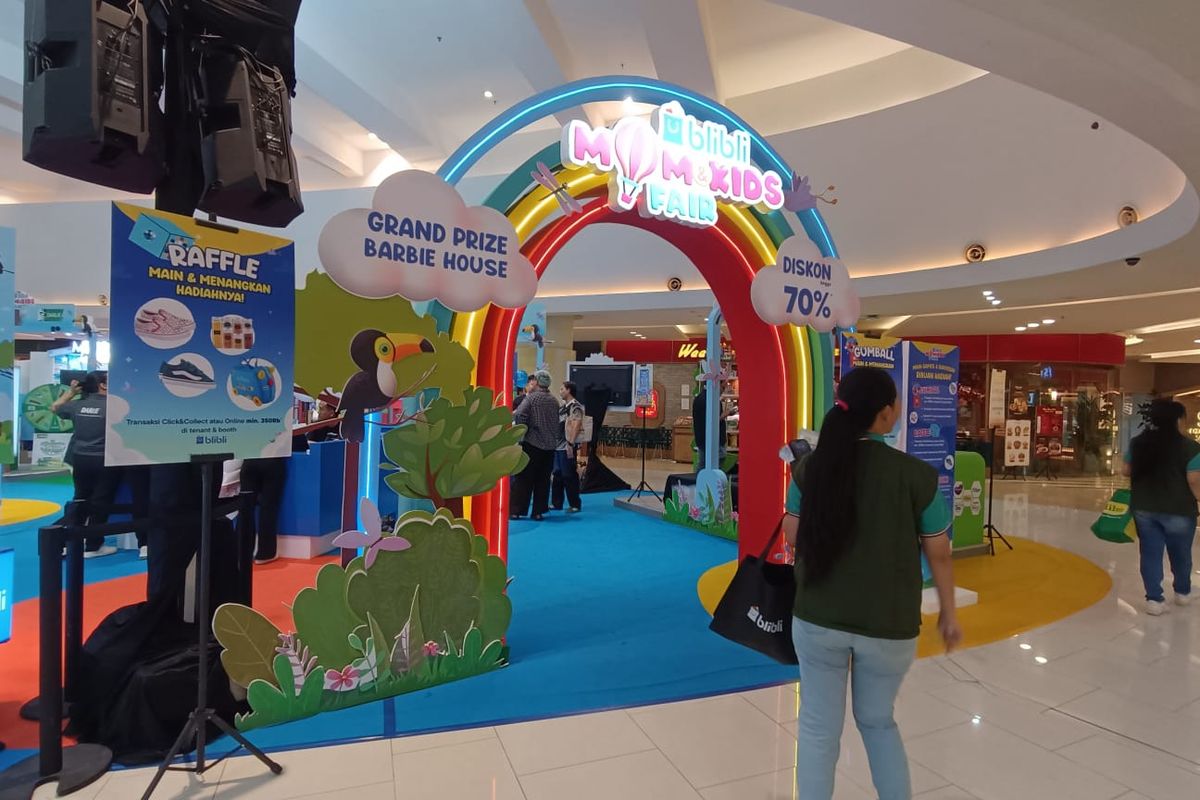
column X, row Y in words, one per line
column 409, row 344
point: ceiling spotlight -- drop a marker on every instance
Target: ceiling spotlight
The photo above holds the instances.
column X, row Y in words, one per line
column 372, row 136
column 634, row 333
column 995, row 301
column 1031, row 324
column 1019, row 328
column 987, row 292
column 1196, row 341
column 488, row 94
column 1048, row 321
column 1130, row 341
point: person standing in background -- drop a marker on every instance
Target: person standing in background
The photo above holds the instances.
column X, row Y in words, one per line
column 265, row 477
column 565, row 479
column 1164, row 470
column 539, row 413
column 86, row 407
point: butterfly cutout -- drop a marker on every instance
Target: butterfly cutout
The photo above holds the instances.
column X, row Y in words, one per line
column 371, row 539
column 801, row 198
column 707, row 374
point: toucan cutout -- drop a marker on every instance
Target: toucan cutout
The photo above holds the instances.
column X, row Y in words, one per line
column 374, row 386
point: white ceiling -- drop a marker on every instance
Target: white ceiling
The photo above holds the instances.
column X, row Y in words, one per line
column 942, row 122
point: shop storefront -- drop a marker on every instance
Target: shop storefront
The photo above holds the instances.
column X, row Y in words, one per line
column 1065, row 386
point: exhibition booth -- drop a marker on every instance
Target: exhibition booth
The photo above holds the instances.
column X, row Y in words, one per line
column 408, row 598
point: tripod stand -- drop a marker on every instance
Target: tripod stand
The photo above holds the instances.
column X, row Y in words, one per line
column 197, row 724
column 993, row 533
column 642, row 485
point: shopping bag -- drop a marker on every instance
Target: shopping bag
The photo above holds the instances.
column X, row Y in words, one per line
column 1116, row 522
column 756, row 610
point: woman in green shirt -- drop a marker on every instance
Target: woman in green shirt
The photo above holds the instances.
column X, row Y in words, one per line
column 1164, row 467
column 860, row 514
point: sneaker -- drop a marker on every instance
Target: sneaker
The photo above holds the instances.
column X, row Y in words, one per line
column 183, row 372
column 575, row 509
column 143, row 552
column 105, row 550
column 1183, row 599
column 1156, row 608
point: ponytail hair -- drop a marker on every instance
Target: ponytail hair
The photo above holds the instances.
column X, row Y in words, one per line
column 1152, row 448
column 827, row 514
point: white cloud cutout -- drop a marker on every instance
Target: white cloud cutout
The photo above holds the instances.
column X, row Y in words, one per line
column 805, row 288
column 115, row 451
column 281, row 445
column 386, row 250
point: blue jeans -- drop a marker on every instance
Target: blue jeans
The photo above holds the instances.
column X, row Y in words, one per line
column 876, row 667
column 1173, row 533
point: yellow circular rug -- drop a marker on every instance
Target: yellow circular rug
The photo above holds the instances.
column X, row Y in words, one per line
column 1019, row 590
column 16, row 510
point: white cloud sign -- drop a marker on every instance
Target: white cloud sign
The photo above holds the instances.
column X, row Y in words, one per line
column 419, row 240
column 805, row 288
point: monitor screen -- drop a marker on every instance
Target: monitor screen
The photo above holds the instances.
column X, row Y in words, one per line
column 616, row 377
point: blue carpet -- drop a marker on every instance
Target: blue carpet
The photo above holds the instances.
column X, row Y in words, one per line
column 605, row 616
column 22, row 537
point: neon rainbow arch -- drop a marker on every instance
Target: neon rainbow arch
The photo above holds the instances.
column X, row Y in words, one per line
column 786, row 385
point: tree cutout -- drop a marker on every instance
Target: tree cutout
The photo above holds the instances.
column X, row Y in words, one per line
column 455, row 451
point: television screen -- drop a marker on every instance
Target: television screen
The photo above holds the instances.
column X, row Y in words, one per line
column 616, row 377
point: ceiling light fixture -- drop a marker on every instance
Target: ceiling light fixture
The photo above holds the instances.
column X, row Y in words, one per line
column 1130, row 341
column 987, row 292
column 1031, row 324
column 1019, row 328
column 1174, row 354
column 1166, row 327
column 1048, row 321
column 996, row 302
column 488, row 94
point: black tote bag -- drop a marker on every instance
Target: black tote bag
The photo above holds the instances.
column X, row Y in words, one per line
column 756, row 610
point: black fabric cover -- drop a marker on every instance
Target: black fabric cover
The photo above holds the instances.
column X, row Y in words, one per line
column 597, row 477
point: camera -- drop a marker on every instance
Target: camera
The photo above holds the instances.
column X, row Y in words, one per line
column 1133, row 261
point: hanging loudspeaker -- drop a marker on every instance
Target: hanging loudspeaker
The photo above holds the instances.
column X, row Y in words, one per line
column 91, row 93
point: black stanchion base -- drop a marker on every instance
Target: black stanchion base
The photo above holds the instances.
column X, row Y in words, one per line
column 83, row 764
column 32, row 710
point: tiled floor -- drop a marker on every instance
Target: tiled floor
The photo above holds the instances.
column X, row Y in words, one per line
column 1103, row 705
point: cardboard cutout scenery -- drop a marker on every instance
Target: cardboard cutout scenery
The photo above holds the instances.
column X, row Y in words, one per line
column 424, row 603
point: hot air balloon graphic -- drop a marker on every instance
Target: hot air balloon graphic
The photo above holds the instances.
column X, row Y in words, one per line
column 636, row 156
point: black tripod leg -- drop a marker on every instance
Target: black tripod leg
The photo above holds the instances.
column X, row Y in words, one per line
column 237, row 736
column 175, row 750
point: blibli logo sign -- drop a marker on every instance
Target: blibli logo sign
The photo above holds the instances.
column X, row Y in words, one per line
column 763, row 624
column 678, row 170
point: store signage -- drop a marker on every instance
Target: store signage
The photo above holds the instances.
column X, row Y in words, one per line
column 676, row 168
column 643, row 386
column 997, row 394
column 1018, row 437
column 691, row 350
column 40, row 318
column 203, row 330
column 419, row 240
column 805, row 288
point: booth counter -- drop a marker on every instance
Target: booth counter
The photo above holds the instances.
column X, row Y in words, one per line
column 311, row 512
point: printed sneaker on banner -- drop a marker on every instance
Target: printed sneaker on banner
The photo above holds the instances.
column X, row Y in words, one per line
column 162, row 323
column 184, row 372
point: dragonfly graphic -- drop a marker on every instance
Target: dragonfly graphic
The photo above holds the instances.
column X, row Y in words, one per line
column 550, row 182
column 801, row 198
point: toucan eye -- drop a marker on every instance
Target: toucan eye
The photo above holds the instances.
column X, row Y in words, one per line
column 383, row 348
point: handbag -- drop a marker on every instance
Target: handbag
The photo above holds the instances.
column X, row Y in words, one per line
column 756, row 609
column 1116, row 522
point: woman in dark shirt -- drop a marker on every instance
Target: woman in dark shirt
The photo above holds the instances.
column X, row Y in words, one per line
column 1164, row 467
column 860, row 514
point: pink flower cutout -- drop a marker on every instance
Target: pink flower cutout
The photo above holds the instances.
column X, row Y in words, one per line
column 734, row 516
column 694, row 512
column 371, row 539
column 432, row 649
column 343, row 680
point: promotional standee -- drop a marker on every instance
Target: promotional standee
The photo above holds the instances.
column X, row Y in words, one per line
column 887, row 354
column 8, row 257
column 424, row 603
column 202, row 322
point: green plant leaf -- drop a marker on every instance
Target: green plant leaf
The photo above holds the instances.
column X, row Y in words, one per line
column 249, row 640
column 324, row 617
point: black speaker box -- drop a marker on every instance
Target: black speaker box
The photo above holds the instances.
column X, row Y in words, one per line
column 249, row 167
column 92, row 79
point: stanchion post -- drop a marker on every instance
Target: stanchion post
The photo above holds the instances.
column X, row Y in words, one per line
column 74, row 599
column 50, row 689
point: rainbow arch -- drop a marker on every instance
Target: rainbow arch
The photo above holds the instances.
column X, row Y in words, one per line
column 786, row 386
